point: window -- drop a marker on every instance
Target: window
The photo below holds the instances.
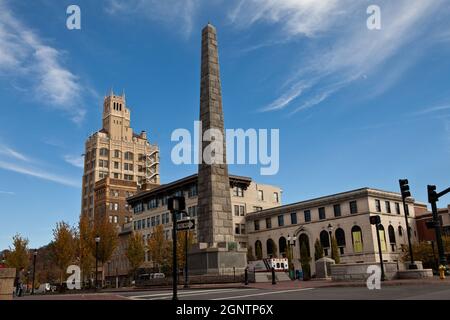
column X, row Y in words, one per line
column 257, row 209
column 260, row 195
column 236, row 210
column 357, row 239
column 397, row 208
column 192, row 211
column 237, row 229
column 322, row 215
column 103, row 163
column 340, row 239
column 407, row 210
column 128, row 166
column 116, row 165
column 110, row 219
column 153, row 221
column 256, row 222
column 126, row 219
column 391, row 233
column 337, row 210
column 116, row 206
column 139, row 224
column 138, row 208
column 382, row 238
column 307, row 214
column 294, row 218
column 102, row 174
column 275, row 197
column 141, row 157
column 242, row 228
column 353, row 207
column 377, row 205
column 242, row 211
column 281, row 220
column 400, row 231
column 103, row 152
column 387, row 204
column 157, row 219
column 128, row 177
column 325, row 240
column 153, row 203
column 268, row 223
column 238, row 192
column 116, row 219
column 140, row 168
column 193, row 191
column 165, row 218
column 129, row 155
column 117, row 175
column 117, row 153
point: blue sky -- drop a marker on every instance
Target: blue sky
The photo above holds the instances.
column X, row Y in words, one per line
column 355, row 107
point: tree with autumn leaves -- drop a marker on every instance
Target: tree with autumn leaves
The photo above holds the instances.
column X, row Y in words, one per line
column 135, row 252
column 63, row 247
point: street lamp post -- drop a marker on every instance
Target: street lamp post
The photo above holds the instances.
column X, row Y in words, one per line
column 186, row 277
column 97, row 241
column 34, row 269
column 330, row 232
column 291, row 244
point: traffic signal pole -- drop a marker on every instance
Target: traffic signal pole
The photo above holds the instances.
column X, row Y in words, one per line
column 433, row 198
column 380, row 253
column 404, row 188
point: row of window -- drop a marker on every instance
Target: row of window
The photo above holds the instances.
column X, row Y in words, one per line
column 307, row 215
column 261, row 196
column 387, row 207
column 128, row 155
column 162, row 219
column 239, row 228
column 156, row 202
column 324, row 238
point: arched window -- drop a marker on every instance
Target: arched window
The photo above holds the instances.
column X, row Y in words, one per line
column 271, row 249
column 340, row 239
column 382, row 238
column 400, row 231
column 357, row 239
column 258, row 250
column 391, row 233
column 282, row 246
column 129, row 155
column 325, row 241
column 303, row 239
column 117, row 153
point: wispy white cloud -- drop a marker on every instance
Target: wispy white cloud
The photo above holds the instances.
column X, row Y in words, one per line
column 5, row 150
column 76, row 161
column 8, row 193
column 24, row 56
column 343, row 50
column 39, row 174
column 170, row 12
column 431, row 110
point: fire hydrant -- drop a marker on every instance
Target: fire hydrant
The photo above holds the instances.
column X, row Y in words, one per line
column 442, row 272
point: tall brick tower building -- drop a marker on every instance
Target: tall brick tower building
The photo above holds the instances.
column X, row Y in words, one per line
column 116, row 161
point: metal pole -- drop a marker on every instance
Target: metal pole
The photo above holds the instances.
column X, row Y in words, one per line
column 174, row 266
column 96, row 265
column 412, row 265
column 186, row 277
column 34, row 270
column 437, row 228
column 273, row 276
column 246, row 276
column 380, row 253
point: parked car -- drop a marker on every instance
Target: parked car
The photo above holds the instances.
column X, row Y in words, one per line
column 158, row 275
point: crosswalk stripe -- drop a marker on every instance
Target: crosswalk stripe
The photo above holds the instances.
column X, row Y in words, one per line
column 262, row 294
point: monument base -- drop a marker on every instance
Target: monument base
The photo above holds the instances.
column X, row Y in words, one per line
column 216, row 261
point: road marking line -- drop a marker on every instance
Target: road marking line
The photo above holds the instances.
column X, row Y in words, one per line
column 199, row 294
column 262, row 294
column 169, row 293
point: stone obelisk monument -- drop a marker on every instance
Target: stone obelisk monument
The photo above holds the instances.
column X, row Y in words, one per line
column 216, row 251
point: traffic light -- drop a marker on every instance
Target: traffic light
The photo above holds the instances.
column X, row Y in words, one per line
column 177, row 204
column 432, row 194
column 404, row 188
column 375, row 220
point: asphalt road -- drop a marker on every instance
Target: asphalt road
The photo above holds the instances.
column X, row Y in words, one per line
column 410, row 292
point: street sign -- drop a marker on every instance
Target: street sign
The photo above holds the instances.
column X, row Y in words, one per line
column 188, row 224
